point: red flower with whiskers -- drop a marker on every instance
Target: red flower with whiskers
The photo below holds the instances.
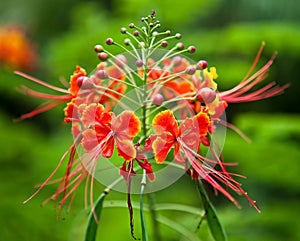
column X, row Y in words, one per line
column 107, row 130
column 169, row 134
column 185, row 139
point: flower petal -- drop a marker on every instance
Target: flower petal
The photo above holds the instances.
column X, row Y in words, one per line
column 165, row 122
column 89, row 140
column 95, row 114
column 161, row 148
column 125, row 149
column 74, row 88
column 127, row 123
column 202, row 123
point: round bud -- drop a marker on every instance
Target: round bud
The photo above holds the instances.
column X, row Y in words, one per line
column 131, row 25
column 168, row 32
column 123, row 30
column 202, row 64
column 180, row 46
column 157, row 99
column 102, row 56
column 139, row 63
column 178, row 35
column 120, row 60
column 126, row 41
column 102, row 74
column 190, row 70
column 206, row 95
column 80, row 80
column 192, row 49
column 109, row 41
column 155, row 33
column 98, row 48
column 158, row 25
column 84, row 82
column 142, row 19
column 151, row 25
column 177, row 60
column 136, row 33
column 164, row 43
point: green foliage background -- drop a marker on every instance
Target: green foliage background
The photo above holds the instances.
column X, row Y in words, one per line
column 227, row 34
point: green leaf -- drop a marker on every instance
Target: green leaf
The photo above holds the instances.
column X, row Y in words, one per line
column 91, row 230
column 216, row 228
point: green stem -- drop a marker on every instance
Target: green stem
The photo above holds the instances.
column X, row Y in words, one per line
column 142, row 215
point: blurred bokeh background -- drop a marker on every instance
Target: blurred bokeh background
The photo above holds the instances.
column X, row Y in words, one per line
column 47, row 39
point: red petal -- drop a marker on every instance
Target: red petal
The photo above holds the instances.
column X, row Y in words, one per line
column 95, row 114
column 125, row 149
column 165, row 122
column 148, row 167
column 127, row 123
column 161, row 148
column 89, row 140
column 107, row 148
column 74, row 88
column 202, row 123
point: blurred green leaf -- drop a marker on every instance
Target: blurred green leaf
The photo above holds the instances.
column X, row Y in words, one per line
column 216, row 228
column 93, row 223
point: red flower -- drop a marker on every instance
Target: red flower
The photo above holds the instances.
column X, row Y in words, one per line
column 169, row 135
column 186, row 140
column 106, row 130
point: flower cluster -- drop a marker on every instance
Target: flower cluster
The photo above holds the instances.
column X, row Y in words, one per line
column 150, row 105
column 16, row 50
